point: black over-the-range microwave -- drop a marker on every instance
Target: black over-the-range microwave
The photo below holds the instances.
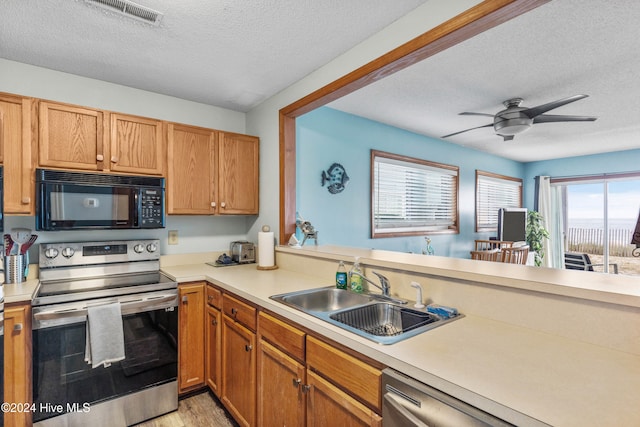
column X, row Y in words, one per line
column 78, row 200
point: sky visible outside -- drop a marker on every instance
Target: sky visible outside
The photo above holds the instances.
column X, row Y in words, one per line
column 585, row 204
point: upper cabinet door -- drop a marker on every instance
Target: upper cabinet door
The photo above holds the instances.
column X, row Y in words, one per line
column 17, row 133
column 191, row 171
column 238, row 175
column 72, row 137
column 136, row 145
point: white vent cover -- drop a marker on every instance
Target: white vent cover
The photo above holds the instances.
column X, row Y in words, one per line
column 130, row 9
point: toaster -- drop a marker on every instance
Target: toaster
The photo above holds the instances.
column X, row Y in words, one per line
column 243, row 252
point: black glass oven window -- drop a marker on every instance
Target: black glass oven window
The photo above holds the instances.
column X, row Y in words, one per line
column 62, row 377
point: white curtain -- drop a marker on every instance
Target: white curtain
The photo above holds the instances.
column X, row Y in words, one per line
column 550, row 207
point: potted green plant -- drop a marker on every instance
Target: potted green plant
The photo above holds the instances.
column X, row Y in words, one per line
column 536, row 234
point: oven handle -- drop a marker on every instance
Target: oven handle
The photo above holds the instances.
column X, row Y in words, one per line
column 129, row 307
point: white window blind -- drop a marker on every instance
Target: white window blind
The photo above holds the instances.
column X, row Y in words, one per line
column 411, row 196
column 492, row 193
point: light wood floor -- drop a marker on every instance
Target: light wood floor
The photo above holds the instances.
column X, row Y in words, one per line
column 200, row 410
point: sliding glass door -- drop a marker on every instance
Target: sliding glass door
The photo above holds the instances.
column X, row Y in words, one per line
column 600, row 216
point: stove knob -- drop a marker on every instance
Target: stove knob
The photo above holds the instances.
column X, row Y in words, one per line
column 68, row 252
column 139, row 248
column 51, row 253
column 152, row 247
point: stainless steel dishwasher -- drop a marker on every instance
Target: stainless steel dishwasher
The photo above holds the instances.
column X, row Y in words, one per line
column 407, row 402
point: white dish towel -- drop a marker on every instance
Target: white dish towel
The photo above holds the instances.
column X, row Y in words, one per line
column 105, row 335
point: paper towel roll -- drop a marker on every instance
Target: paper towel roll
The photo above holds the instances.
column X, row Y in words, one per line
column 266, row 249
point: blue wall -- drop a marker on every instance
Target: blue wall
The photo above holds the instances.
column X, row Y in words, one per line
column 619, row 161
column 326, row 136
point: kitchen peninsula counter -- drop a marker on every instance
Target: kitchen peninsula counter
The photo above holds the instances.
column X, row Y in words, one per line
column 523, row 375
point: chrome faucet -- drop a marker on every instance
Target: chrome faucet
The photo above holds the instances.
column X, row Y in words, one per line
column 384, row 286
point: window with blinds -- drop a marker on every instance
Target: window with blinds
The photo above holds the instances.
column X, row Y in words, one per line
column 412, row 196
column 493, row 192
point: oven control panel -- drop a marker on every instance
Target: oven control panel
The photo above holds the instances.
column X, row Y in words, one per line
column 65, row 254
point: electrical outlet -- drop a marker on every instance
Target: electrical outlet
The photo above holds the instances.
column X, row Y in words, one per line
column 173, row 237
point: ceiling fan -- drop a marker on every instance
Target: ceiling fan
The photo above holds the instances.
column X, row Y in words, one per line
column 515, row 119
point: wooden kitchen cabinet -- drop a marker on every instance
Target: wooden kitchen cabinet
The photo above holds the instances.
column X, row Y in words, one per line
column 17, row 362
column 351, row 374
column 191, row 170
column 136, row 145
column 329, row 406
column 238, row 176
column 281, row 374
column 191, row 347
column 225, row 166
column 239, row 359
column 72, row 137
column 239, row 371
column 213, row 341
column 80, row 138
column 18, row 130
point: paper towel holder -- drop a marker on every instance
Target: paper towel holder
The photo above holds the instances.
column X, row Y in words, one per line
column 265, row 229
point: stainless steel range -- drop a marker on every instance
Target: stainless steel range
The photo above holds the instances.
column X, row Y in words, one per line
column 81, row 285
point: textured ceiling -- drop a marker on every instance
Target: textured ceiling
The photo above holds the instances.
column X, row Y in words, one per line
column 228, row 53
column 236, row 53
column 560, row 49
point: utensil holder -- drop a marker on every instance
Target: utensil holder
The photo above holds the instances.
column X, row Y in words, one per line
column 14, row 267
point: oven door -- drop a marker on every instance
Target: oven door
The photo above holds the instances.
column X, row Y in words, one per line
column 64, row 383
column 67, row 206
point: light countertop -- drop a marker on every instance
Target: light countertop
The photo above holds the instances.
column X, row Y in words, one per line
column 526, row 377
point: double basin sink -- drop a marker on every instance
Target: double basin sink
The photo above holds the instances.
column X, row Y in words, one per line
column 366, row 315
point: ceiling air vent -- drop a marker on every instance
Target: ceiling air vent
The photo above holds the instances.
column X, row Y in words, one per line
column 130, row 9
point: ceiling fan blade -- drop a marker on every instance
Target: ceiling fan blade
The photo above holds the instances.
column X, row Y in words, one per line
column 469, row 113
column 467, row 130
column 540, row 109
column 549, row 118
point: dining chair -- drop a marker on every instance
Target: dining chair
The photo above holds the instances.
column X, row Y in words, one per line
column 486, row 245
column 515, row 255
column 488, row 255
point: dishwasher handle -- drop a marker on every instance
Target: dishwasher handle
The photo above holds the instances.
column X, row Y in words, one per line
column 400, row 415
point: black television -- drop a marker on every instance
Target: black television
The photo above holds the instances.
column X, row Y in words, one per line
column 512, row 224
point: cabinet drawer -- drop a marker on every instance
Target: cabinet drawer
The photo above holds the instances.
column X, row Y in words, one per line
column 214, row 297
column 239, row 311
column 353, row 375
column 284, row 336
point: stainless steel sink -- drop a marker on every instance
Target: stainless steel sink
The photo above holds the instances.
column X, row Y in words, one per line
column 384, row 319
column 324, row 299
column 363, row 314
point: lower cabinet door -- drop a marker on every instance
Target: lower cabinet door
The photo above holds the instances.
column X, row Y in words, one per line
column 239, row 371
column 329, row 406
column 191, row 337
column 213, row 367
column 281, row 379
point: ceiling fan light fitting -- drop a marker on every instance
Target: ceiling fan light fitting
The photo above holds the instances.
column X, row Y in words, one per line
column 512, row 127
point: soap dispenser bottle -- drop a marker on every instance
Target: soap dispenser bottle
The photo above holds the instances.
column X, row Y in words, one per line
column 341, row 276
column 355, row 280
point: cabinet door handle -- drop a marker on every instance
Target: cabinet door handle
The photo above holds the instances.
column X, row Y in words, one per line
column 185, row 299
column 214, row 322
column 25, row 200
column 213, row 204
column 306, row 388
column 99, row 157
column 17, row 327
column 297, row 382
column 234, row 311
column 209, row 297
column 223, row 205
column 248, row 347
column 114, row 159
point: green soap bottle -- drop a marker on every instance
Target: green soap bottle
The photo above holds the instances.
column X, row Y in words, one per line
column 341, row 276
column 355, row 282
